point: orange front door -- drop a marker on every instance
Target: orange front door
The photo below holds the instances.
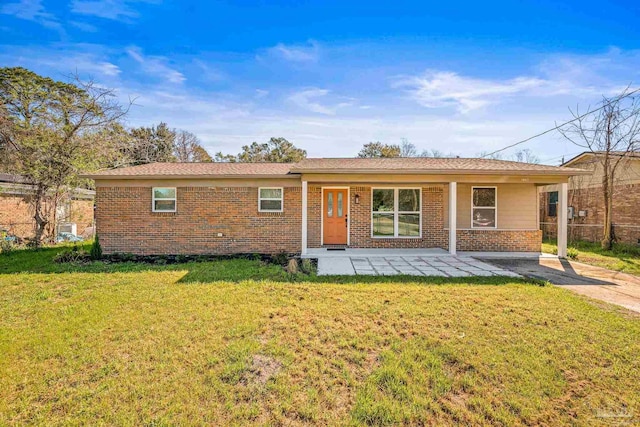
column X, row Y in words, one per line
column 335, row 216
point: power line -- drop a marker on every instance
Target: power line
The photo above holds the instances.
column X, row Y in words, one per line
column 562, row 125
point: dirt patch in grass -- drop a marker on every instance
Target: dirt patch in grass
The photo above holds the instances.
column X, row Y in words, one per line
column 262, row 369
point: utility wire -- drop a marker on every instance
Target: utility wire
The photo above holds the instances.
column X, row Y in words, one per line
column 563, row 124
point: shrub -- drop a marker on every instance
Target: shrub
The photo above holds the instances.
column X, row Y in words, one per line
column 128, row 256
column 306, row 266
column 292, row 266
column 280, row 259
column 5, row 246
column 96, row 249
column 572, row 253
column 74, row 255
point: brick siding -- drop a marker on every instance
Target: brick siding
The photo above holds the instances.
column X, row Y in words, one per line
column 125, row 222
column 434, row 235
column 16, row 215
column 499, row 240
column 626, row 222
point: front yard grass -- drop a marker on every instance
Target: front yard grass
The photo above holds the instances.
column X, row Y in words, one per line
column 625, row 258
column 233, row 342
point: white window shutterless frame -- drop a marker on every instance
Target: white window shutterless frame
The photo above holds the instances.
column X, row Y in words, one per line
column 396, row 212
column 484, row 207
column 270, row 199
column 164, row 199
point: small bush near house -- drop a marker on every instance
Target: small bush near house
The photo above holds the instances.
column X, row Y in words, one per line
column 96, row 249
column 572, row 253
column 5, row 246
column 74, row 255
column 281, row 258
column 306, row 266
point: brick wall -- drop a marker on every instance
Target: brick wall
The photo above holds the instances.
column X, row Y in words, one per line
column 499, row 240
column 16, row 215
column 625, row 217
column 125, row 223
column 433, row 234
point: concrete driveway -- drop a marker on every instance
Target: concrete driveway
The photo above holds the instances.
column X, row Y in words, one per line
column 595, row 282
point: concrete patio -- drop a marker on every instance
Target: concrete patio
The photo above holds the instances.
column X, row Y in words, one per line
column 417, row 264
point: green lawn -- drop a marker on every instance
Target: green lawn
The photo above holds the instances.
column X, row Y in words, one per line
column 624, row 258
column 233, row 342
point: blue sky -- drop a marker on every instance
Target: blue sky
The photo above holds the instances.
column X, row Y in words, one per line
column 461, row 77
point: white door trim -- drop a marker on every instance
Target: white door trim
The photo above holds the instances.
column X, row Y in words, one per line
column 304, row 218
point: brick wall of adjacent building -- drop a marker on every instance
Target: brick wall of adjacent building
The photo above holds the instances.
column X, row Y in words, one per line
column 626, row 220
column 16, row 215
column 499, row 240
column 125, row 222
column 81, row 213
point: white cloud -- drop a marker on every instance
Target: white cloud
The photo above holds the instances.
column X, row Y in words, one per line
column 443, row 88
column 324, row 118
column 156, row 65
column 208, row 72
column 88, row 61
column 307, row 99
column 117, row 10
column 83, row 26
column 31, row 10
column 296, row 53
column 558, row 75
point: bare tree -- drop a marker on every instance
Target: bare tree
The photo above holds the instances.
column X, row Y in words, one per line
column 611, row 132
column 526, row 156
column 407, row 149
column 187, row 148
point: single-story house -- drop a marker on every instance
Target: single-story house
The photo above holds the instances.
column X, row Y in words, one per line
column 222, row 208
column 586, row 202
column 74, row 212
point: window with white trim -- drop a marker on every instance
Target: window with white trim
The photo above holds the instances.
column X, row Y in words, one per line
column 270, row 199
column 484, row 211
column 164, row 199
column 396, row 212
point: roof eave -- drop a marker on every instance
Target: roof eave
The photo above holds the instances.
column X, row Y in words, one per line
column 559, row 171
column 176, row 176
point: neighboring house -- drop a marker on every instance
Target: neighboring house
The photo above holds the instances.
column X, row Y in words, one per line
column 586, row 204
column 222, row 208
column 16, row 213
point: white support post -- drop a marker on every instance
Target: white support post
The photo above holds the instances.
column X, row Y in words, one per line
column 453, row 215
column 304, row 217
column 563, row 212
